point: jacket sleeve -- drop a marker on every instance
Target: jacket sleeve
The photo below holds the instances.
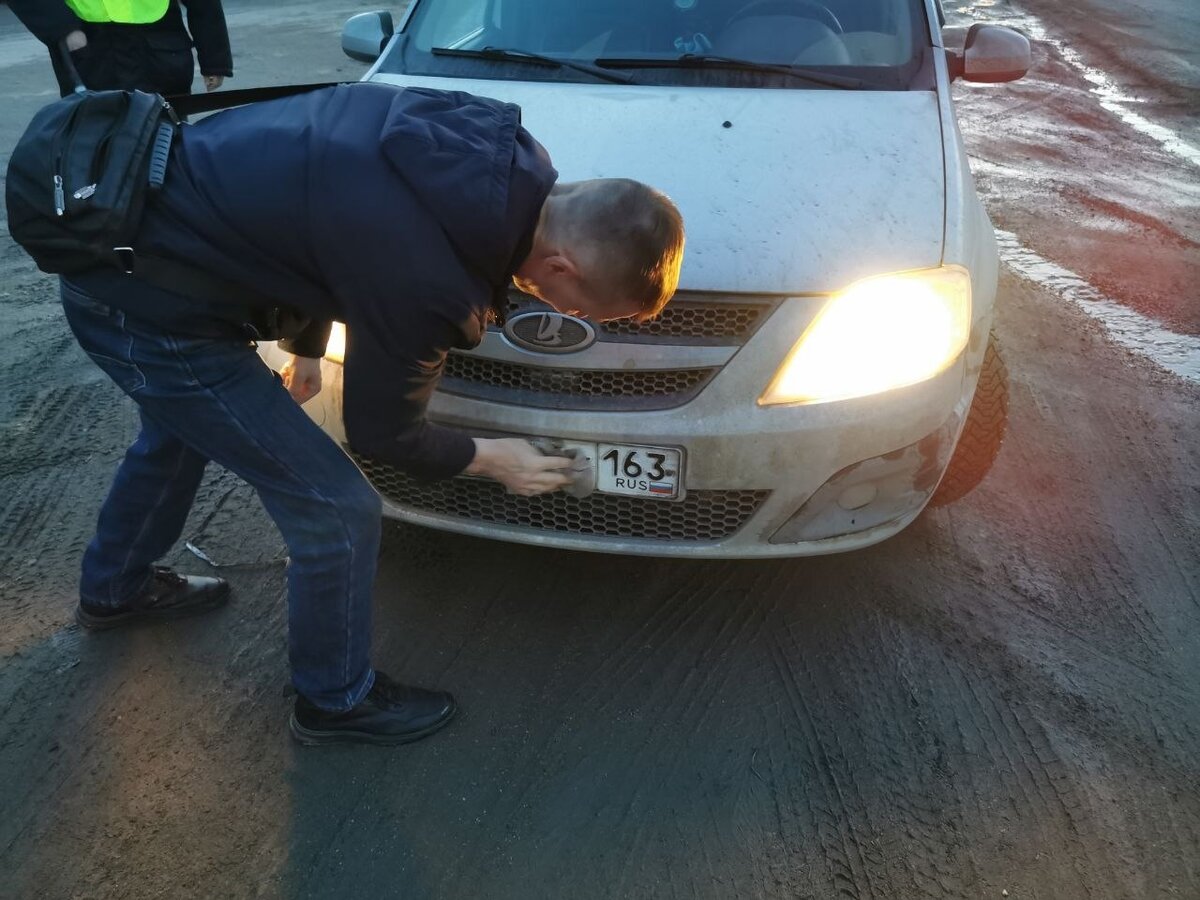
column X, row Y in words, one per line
column 311, row 341
column 49, row 20
column 389, row 378
column 206, row 22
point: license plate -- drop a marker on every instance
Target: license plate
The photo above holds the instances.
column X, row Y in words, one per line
column 653, row 472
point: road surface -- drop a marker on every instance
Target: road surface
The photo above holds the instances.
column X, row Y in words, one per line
column 1003, row 698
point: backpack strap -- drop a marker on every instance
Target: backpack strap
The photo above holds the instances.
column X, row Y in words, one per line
column 160, row 153
column 260, row 312
column 189, row 104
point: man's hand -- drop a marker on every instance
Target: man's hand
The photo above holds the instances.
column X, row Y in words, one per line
column 302, row 377
column 76, row 40
column 518, row 466
column 212, row 82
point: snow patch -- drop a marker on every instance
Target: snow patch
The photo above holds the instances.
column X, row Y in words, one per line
column 1178, row 353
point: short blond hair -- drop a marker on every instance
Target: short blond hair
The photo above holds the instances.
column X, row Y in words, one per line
column 628, row 238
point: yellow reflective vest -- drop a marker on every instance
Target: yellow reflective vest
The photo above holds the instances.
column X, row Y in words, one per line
column 129, row 12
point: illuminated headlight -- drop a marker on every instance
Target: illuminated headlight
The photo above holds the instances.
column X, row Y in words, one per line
column 335, row 349
column 879, row 333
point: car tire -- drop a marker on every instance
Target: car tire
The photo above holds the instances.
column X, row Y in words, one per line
column 983, row 433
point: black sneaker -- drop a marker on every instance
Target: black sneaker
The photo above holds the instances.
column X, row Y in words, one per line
column 390, row 714
column 168, row 596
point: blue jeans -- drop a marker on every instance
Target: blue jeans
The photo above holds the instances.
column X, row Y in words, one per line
column 203, row 399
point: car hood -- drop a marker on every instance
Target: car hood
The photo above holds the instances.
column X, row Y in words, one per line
column 782, row 191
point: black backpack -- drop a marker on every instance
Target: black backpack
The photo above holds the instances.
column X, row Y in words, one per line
column 83, row 171
column 79, row 176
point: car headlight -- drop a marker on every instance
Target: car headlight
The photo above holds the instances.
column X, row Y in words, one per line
column 335, row 348
column 879, row 333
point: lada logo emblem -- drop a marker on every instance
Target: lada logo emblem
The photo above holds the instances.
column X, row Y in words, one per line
column 549, row 332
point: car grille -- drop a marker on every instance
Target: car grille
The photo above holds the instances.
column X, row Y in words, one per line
column 694, row 320
column 591, row 389
column 698, row 320
column 699, row 516
column 687, row 319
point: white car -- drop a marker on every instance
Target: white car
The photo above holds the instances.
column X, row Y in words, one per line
column 807, row 388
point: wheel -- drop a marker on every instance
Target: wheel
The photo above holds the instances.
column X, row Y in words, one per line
column 808, row 9
column 987, row 421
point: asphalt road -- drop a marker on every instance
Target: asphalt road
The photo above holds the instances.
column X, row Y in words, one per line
column 1005, row 697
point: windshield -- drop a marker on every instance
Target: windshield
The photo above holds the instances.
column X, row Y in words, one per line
column 879, row 42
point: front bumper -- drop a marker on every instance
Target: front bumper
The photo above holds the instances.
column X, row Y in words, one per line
column 760, row 481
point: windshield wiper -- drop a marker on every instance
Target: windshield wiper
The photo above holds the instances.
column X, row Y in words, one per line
column 505, row 55
column 710, row 60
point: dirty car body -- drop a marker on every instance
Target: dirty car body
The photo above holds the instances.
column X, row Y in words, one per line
column 804, row 391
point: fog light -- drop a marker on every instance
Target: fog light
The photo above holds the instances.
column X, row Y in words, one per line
column 874, row 492
column 858, row 495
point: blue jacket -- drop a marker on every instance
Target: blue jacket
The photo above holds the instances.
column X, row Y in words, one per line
column 401, row 212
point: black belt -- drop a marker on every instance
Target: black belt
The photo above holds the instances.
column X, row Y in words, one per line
column 238, row 312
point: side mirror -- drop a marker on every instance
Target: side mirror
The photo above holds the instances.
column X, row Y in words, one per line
column 991, row 54
column 365, row 35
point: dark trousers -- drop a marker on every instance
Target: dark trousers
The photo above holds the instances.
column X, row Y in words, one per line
column 203, row 399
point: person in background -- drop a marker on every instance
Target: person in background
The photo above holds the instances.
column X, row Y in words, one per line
column 131, row 44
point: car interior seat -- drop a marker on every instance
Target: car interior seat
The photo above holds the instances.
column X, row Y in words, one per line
column 591, row 28
column 782, row 39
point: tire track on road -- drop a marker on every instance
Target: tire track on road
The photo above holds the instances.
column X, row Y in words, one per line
column 996, row 730
column 843, row 851
column 686, row 708
column 1037, row 715
column 699, row 620
column 947, row 861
